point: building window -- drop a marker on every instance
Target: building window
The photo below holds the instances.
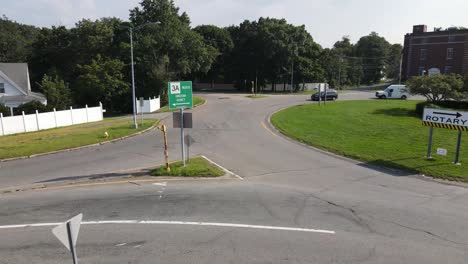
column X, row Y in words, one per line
column 422, row 71
column 423, row 54
column 448, row 69
column 449, row 53
column 2, row 88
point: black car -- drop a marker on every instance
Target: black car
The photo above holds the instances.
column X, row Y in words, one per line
column 332, row 95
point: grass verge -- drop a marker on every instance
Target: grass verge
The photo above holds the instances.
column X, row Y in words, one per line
column 385, row 133
column 196, row 102
column 196, row 167
column 26, row 144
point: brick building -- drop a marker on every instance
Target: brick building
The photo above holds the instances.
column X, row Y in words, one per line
column 440, row 51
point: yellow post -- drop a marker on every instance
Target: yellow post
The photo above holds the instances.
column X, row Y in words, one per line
column 166, row 150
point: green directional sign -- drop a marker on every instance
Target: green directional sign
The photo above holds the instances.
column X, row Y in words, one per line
column 180, row 95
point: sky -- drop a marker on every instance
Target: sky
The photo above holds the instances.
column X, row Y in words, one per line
column 326, row 20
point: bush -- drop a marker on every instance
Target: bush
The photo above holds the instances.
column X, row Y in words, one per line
column 460, row 105
column 4, row 110
column 31, row 107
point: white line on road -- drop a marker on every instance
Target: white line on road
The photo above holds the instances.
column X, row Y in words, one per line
column 160, row 183
column 224, row 169
column 135, row 222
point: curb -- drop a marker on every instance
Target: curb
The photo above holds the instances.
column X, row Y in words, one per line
column 356, row 162
column 137, row 176
column 82, row 147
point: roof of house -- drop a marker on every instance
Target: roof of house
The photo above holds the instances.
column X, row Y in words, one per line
column 18, row 73
column 22, row 98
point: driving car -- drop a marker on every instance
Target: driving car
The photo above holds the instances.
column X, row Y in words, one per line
column 332, row 95
column 393, row 91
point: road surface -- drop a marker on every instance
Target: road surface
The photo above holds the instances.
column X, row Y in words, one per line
column 295, row 204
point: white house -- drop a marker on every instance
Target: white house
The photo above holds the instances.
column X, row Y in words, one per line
column 15, row 88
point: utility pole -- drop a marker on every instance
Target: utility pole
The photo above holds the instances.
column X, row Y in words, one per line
column 135, row 124
column 339, row 73
column 401, row 68
column 292, row 75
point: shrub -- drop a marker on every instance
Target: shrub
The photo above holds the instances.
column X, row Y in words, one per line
column 31, row 107
column 4, row 110
column 461, row 105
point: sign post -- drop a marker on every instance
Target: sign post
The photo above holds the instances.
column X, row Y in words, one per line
column 447, row 119
column 180, row 96
column 457, row 154
column 67, row 233
column 142, row 104
column 429, row 145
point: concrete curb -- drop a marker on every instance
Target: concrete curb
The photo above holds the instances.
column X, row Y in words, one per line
column 82, row 147
column 354, row 161
column 136, row 176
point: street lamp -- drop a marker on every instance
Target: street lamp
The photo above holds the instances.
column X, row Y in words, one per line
column 135, row 124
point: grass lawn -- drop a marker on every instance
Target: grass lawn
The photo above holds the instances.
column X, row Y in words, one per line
column 196, row 102
column 68, row 137
column 379, row 132
column 196, row 167
column 256, row 96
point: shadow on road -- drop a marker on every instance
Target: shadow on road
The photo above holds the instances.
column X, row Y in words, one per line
column 96, row 176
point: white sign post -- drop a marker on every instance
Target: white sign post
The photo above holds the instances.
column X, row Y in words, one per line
column 67, row 233
column 448, row 119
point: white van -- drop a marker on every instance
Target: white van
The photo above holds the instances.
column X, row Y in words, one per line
column 395, row 91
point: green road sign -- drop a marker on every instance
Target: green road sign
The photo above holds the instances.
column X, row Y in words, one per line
column 180, row 95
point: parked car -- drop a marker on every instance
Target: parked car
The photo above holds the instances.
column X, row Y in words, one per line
column 393, row 92
column 332, row 95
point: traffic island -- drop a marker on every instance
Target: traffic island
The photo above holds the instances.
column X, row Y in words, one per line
column 195, row 167
column 379, row 133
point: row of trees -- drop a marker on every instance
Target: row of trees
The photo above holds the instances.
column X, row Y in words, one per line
column 91, row 62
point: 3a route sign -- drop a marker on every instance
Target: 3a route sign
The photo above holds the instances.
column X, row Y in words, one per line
column 180, row 95
column 445, row 119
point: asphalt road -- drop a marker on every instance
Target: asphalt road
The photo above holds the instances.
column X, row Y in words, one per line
column 377, row 216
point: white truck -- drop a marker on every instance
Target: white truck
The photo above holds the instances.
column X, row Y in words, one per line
column 395, row 91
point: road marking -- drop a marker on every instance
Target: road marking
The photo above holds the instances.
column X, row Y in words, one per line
column 122, row 244
column 224, row 169
column 150, row 222
column 160, row 184
column 268, row 129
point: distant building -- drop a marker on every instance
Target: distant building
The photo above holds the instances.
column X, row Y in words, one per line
column 15, row 88
column 440, row 51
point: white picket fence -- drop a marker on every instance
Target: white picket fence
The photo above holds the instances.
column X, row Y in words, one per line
column 149, row 106
column 40, row 121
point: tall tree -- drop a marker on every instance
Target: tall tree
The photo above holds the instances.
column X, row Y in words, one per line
column 374, row 51
column 102, row 81
column 172, row 43
column 16, row 40
column 220, row 39
column 56, row 91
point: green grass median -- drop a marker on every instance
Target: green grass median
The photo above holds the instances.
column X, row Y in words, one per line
column 26, row 144
column 195, row 167
column 380, row 132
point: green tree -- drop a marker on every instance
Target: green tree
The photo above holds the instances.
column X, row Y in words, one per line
column 219, row 39
column 102, row 81
column 168, row 50
column 56, row 91
column 373, row 50
column 393, row 61
column 437, row 88
column 16, row 40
